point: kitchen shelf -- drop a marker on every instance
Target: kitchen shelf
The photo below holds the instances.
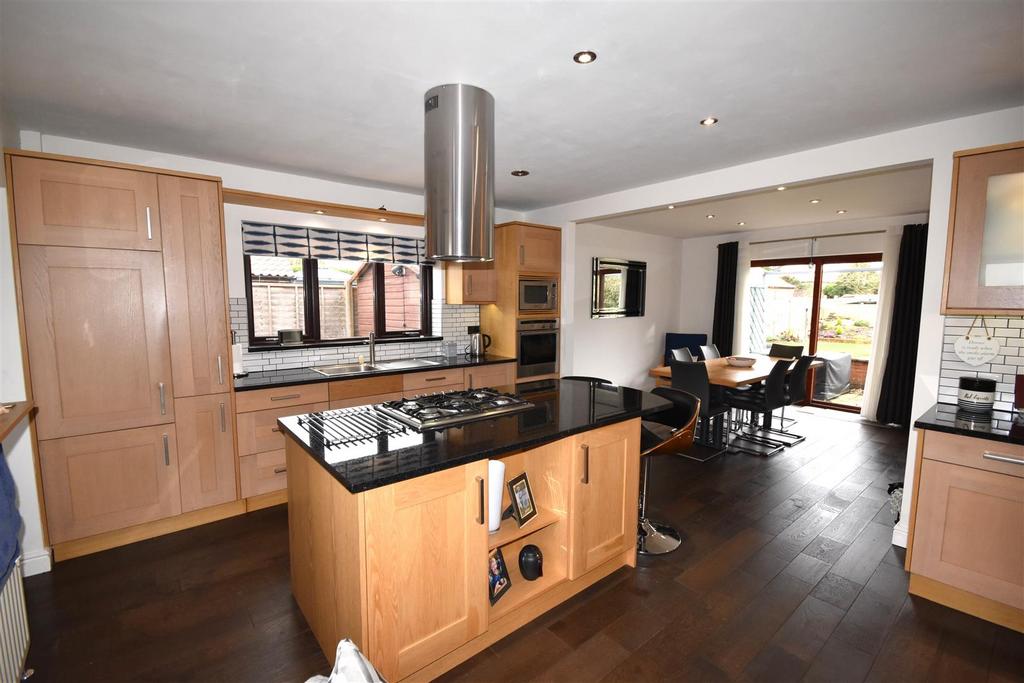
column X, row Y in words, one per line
column 510, row 530
column 551, row 541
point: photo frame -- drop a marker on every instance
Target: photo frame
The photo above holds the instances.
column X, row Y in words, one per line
column 498, row 581
column 524, row 506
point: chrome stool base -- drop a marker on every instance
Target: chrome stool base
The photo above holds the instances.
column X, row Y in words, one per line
column 655, row 538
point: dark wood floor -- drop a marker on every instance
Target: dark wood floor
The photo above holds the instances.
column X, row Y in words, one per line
column 787, row 574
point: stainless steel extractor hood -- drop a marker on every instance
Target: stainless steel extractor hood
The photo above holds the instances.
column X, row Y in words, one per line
column 459, row 165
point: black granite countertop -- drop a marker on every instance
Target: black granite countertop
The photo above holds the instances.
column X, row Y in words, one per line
column 561, row 408
column 292, row 376
column 995, row 426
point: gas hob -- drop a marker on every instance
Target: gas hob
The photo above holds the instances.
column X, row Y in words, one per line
column 433, row 411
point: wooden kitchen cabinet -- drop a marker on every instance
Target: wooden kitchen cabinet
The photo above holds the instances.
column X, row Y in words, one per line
column 496, row 375
column 538, row 249
column 258, row 430
column 63, row 203
column 605, row 481
column 193, row 261
column 426, row 568
column 262, row 473
column 985, row 245
column 103, row 482
column 206, row 450
column 470, row 283
column 96, row 331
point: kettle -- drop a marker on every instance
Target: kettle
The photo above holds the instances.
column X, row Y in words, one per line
column 478, row 342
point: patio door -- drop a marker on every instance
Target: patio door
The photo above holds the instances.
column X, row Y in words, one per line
column 827, row 305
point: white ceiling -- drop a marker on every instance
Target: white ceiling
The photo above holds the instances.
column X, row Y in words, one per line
column 334, row 89
column 887, row 192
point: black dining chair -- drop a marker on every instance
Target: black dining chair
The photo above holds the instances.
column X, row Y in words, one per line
column 709, row 352
column 712, row 427
column 762, row 400
column 791, row 351
column 584, row 378
column 668, row 432
column 683, row 355
column 796, row 392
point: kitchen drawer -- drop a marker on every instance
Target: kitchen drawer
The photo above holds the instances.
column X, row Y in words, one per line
column 365, row 400
column 262, row 473
column 497, row 375
column 427, row 382
column 264, row 399
column 258, row 431
column 366, row 386
column 978, row 453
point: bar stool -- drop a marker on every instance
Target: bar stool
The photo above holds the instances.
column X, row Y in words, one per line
column 584, row 378
column 669, row 431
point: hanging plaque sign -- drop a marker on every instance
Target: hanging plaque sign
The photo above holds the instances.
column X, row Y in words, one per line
column 976, row 349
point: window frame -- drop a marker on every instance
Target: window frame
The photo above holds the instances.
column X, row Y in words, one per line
column 311, row 308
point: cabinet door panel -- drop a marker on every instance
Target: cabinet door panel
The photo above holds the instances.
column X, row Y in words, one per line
column 606, row 481
column 96, row 326
column 969, row 531
column 103, row 482
column 206, row 452
column 540, row 249
column 426, row 568
column 263, row 473
column 194, row 271
column 71, row 204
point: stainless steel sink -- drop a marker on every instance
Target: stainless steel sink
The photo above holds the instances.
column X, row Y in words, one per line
column 406, row 363
column 344, row 369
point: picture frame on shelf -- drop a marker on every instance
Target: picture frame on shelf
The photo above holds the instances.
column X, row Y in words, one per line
column 498, row 580
column 524, row 506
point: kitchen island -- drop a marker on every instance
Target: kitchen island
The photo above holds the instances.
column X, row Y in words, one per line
column 389, row 539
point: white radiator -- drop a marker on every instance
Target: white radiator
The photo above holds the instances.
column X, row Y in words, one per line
column 13, row 627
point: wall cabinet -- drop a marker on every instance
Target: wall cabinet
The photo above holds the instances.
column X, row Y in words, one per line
column 426, row 550
column 103, row 482
column 206, row 451
column 96, row 327
column 63, row 203
column 193, row 261
column 538, row 249
column 470, row 283
column 985, row 246
column 605, row 481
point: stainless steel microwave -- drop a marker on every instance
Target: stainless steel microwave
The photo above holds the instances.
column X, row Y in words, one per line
column 538, row 295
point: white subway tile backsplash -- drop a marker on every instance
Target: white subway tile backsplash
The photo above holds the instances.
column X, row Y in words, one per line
column 1003, row 368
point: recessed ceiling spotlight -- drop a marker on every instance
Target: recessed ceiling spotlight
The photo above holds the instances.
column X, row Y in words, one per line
column 708, row 122
column 815, row 201
column 841, row 211
column 585, row 57
column 519, row 173
column 780, row 188
column 741, row 224
column 710, row 216
column 671, row 206
column 382, row 219
column 319, row 212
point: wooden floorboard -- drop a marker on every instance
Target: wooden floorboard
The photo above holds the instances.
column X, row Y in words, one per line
column 786, row 574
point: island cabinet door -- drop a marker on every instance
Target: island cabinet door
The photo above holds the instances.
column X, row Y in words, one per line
column 606, row 476
column 194, row 272
column 426, row 568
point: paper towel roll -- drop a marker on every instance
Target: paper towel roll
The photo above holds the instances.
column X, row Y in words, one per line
column 237, row 368
column 495, row 487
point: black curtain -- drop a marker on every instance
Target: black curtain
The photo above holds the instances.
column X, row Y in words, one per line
column 725, row 297
column 897, row 390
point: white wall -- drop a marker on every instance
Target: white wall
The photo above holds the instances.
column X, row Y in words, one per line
column 935, row 142
column 623, row 349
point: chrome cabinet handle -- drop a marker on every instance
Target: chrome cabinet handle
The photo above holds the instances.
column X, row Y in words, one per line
column 163, row 398
column 149, row 224
column 280, row 470
column 220, row 368
column 522, row 254
column 275, row 429
column 284, row 398
column 989, row 455
column 435, row 379
column 480, row 518
column 223, row 419
column 586, row 464
column 167, row 451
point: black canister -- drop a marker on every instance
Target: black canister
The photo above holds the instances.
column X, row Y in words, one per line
column 976, row 395
column 531, row 562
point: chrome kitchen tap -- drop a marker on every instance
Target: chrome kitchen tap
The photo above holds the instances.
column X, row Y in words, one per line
column 372, row 341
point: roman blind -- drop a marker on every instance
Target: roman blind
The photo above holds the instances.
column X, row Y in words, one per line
column 272, row 239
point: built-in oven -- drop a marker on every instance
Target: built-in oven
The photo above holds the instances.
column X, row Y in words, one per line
column 537, row 347
column 538, row 295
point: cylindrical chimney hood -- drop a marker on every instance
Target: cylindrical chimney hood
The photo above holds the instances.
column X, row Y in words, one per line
column 459, row 166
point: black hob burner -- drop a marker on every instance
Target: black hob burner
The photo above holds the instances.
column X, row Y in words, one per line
column 432, row 411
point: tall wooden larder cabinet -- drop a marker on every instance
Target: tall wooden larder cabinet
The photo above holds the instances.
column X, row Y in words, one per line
column 123, row 293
